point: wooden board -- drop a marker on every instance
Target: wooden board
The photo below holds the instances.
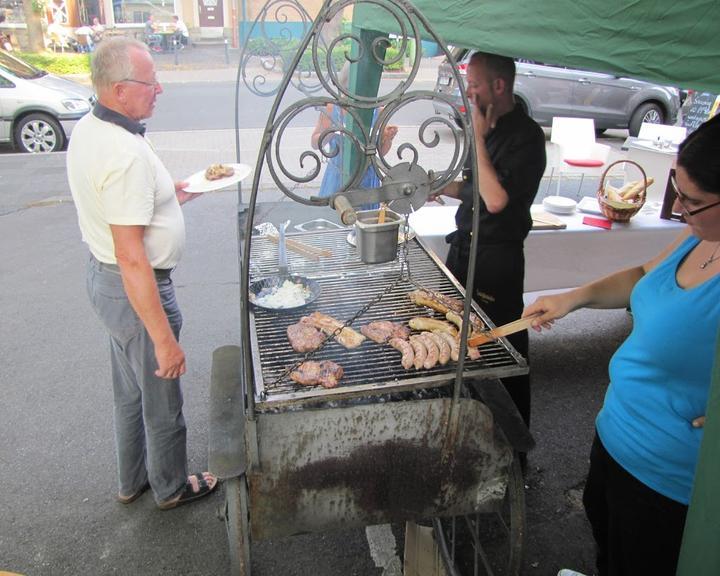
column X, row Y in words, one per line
column 545, row 221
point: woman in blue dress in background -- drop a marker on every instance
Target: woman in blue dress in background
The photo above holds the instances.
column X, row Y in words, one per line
column 333, row 117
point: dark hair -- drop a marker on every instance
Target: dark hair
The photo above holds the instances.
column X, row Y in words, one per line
column 699, row 154
column 499, row 66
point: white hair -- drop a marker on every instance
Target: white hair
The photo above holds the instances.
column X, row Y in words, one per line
column 111, row 61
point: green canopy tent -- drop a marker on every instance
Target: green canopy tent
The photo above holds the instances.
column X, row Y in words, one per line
column 669, row 42
column 665, row 41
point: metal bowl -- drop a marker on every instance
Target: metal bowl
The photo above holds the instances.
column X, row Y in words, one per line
column 267, row 286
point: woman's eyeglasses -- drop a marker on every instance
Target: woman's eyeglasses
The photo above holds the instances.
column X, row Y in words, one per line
column 682, row 199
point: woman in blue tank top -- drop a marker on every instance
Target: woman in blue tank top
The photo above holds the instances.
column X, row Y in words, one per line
column 649, row 430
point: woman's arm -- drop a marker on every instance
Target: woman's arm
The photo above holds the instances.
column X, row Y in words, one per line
column 612, row 291
column 323, row 123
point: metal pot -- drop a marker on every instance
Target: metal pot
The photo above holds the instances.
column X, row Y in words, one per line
column 377, row 243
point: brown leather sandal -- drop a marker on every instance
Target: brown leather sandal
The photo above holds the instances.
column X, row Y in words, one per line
column 189, row 494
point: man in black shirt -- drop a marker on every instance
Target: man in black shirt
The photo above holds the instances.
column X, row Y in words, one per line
column 510, row 151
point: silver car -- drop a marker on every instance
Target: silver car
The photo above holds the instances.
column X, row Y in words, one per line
column 545, row 91
column 38, row 110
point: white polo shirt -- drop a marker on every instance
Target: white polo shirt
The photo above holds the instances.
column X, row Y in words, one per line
column 116, row 178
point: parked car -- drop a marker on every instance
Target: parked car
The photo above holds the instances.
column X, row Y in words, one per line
column 545, row 91
column 38, row 110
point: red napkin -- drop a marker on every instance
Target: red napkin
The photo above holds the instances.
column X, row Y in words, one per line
column 599, row 222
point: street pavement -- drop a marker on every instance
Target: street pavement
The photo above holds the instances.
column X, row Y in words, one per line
column 58, row 515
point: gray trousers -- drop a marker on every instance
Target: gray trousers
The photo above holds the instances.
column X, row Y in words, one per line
column 150, row 434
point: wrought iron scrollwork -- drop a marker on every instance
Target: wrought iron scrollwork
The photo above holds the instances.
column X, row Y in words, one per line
column 351, row 133
column 270, row 46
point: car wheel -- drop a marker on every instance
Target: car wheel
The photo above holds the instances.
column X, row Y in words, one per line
column 648, row 112
column 38, row 133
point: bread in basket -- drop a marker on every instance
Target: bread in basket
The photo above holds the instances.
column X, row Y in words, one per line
column 619, row 205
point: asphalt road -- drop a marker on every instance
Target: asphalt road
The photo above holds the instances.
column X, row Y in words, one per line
column 210, row 105
column 57, row 508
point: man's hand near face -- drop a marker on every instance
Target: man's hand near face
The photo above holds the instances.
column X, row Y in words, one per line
column 483, row 119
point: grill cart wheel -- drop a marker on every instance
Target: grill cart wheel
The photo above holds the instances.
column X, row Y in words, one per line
column 236, row 522
column 488, row 543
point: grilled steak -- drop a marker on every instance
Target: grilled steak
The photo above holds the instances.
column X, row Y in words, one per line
column 381, row 331
column 312, row 373
column 347, row 337
column 304, row 338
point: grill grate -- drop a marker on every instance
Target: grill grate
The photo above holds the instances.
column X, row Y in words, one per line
column 347, row 285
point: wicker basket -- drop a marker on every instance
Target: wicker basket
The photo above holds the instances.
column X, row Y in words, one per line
column 616, row 211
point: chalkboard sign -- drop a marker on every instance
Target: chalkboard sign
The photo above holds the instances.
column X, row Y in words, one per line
column 699, row 110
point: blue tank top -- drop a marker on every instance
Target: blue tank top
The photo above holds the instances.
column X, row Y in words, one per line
column 660, row 379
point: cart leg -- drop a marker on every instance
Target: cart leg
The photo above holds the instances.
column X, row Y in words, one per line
column 489, row 544
column 236, row 521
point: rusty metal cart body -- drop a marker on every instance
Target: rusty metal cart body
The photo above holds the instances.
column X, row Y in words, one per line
column 387, row 444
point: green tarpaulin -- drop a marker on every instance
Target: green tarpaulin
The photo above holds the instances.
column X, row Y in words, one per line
column 666, row 41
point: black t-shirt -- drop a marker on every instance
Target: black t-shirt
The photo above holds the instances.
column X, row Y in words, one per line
column 516, row 147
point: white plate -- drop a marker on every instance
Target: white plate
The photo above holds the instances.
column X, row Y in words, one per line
column 197, row 183
column 589, row 205
column 401, row 237
column 559, row 204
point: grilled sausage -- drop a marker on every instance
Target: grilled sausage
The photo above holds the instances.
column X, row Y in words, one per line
column 404, row 347
column 433, row 352
column 420, row 351
column 475, row 321
column 443, row 347
column 454, row 345
column 423, row 323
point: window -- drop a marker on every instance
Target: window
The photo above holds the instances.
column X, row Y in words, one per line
column 132, row 11
column 13, row 11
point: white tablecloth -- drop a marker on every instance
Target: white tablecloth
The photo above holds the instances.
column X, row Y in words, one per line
column 569, row 257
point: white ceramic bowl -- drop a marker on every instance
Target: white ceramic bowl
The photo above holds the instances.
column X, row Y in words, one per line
column 559, row 205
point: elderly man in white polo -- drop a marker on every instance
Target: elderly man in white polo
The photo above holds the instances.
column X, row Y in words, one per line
column 130, row 217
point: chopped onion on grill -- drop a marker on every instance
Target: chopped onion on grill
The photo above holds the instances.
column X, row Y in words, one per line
column 287, row 295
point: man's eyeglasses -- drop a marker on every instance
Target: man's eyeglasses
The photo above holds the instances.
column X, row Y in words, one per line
column 153, row 84
column 682, row 199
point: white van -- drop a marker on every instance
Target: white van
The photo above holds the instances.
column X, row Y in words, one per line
column 38, row 110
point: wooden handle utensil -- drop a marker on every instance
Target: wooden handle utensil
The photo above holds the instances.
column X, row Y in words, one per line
column 381, row 213
column 504, row 330
column 310, row 252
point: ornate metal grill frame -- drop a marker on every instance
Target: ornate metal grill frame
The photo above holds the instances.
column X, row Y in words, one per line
column 255, row 451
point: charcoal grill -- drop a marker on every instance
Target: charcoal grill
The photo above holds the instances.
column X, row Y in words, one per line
column 388, row 444
column 347, row 285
